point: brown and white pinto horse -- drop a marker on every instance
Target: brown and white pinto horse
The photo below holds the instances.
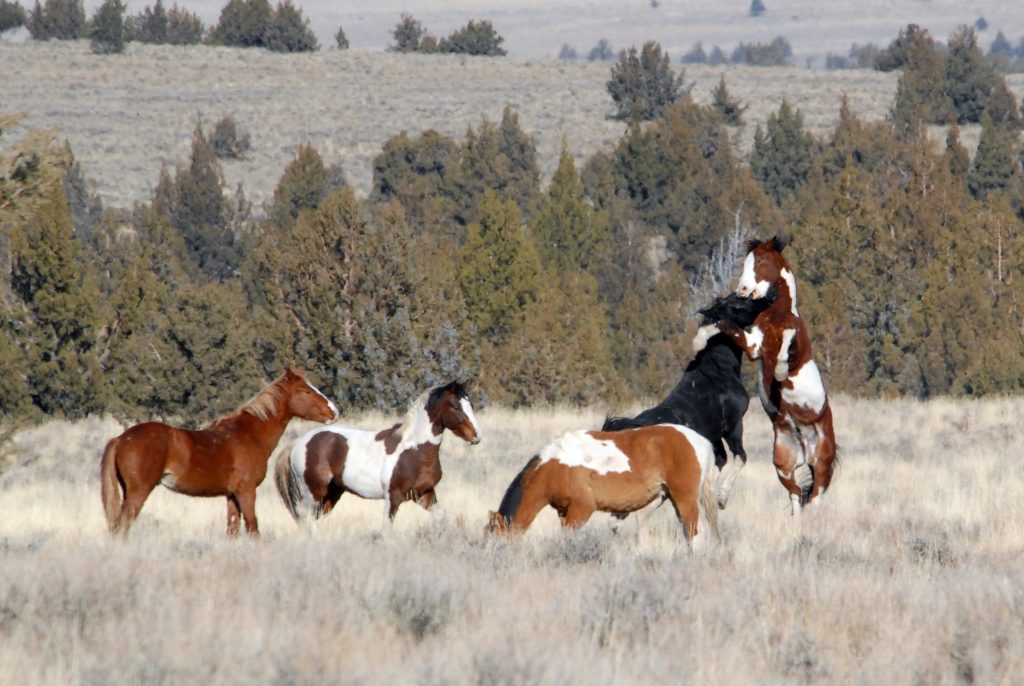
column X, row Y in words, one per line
column 581, row 472
column 790, row 386
column 397, row 464
column 227, row 458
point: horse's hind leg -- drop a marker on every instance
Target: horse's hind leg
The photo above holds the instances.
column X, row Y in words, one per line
column 247, row 502
column 135, row 495
column 727, row 475
column 234, row 515
column 682, row 491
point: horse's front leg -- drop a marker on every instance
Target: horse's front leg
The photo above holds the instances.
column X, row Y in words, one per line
column 247, row 501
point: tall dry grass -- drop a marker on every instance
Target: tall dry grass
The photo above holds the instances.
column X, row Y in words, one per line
column 909, row 572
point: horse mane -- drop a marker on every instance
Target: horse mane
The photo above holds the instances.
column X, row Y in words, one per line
column 777, row 243
column 422, row 402
column 514, row 493
column 262, row 405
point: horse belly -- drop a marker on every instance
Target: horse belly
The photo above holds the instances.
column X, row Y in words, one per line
column 807, row 391
column 363, row 466
column 623, row 492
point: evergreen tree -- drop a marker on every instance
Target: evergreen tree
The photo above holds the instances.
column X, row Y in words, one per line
column 424, row 175
column 643, row 85
column 408, row 34
column 12, row 15
column 194, row 204
column 969, row 76
column 289, row 31
column 243, row 24
column 56, row 312
column 499, row 271
column 302, row 186
column 782, row 157
column 183, row 27
column 996, row 166
column 1002, row 106
column 865, row 146
column 723, row 101
column 106, row 33
column 475, row 38
column 570, row 235
column 921, row 95
column 958, row 160
column 340, row 39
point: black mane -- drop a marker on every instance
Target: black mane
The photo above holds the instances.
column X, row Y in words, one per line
column 514, row 494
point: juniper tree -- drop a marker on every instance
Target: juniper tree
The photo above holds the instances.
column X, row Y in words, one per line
column 475, row 38
column 12, row 15
column 1002, row 106
column 969, row 76
column 106, row 31
column 996, row 164
column 302, row 186
column 407, row 34
column 643, row 84
column 731, row 108
column 289, row 31
column 149, row 26
column 783, row 153
column 243, row 24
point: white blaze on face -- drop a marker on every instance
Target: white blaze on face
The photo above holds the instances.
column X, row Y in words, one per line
column 749, row 286
column 330, row 404
column 467, row 409
column 807, row 391
column 580, row 449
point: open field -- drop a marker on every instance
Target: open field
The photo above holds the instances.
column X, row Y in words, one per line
column 910, row 572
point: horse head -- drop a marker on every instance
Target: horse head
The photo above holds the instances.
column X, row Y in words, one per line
column 764, row 267
column 305, row 400
column 449, row 406
column 731, row 308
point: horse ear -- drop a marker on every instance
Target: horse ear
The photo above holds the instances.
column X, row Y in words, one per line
column 753, row 243
column 781, row 242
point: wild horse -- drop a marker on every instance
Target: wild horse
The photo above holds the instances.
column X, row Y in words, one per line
column 710, row 398
column 791, row 390
column 582, row 472
column 228, row 458
column 396, row 464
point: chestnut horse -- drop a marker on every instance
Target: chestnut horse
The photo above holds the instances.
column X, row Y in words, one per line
column 397, row 464
column 227, row 458
column 791, row 390
column 622, row 471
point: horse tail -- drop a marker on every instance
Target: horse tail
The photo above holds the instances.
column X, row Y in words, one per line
column 110, row 487
column 709, row 504
column 287, row 482
column 514, row 494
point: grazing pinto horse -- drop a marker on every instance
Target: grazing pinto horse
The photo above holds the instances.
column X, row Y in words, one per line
column 614, row 471
column 397, row 464
column 227, row 458
column 790, row 386
column 711, row 398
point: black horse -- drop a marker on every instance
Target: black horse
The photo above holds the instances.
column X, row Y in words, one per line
column 710, row 398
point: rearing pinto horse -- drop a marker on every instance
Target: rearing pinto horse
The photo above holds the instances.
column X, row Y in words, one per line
column 228, row 458
column 790, row 386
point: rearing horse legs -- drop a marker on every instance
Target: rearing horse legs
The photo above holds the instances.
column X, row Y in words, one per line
column 787, row 455
column 731, row 469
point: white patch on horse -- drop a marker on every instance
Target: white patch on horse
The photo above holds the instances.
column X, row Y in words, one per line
column 790, row 280
column 807, row 391
column 701, row 446
column 704, row 334
column 580, row 449
column 754, row 339
column 467, row 409
column 782, row 364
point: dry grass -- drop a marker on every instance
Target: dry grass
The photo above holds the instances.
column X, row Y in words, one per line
column 910, row 572
column 126, row 115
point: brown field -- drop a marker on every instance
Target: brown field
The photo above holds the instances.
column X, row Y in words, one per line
column 126, row 115
column 910, row 572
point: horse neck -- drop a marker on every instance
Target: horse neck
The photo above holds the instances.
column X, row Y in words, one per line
column 785, row 287
column 418, row 428
column 267, row 432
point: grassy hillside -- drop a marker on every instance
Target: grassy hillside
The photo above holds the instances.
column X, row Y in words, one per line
column 910, row 571
column 126, row 115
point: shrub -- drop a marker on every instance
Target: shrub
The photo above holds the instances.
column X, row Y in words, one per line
column 243, row 24
column 289, row 31
column 226, row 140
column 696, row 55
column 601, row 52
column 642, row 85
column 407, row 34
column 475, row 38
column 341, row 39
column 58, row 19
column 149, row 26
column 774, row 54
column 757, row 8
column 183, row 27
column 12, row 15
column 568, row 53
column 106, row 34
